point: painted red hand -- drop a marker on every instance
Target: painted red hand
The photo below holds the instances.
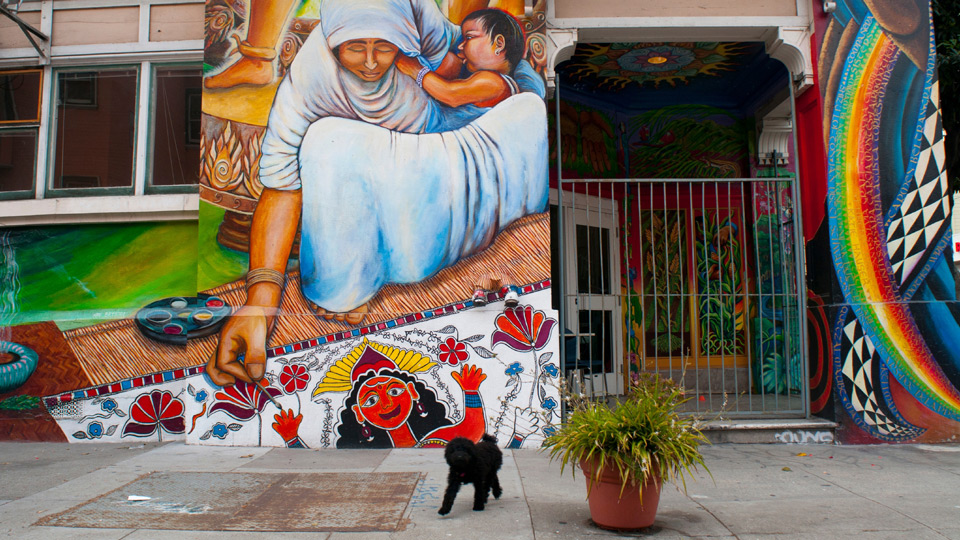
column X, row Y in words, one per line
column 469, row 378
column 287, row 425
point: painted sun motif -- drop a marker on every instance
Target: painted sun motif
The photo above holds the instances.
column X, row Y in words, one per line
column 614, row 66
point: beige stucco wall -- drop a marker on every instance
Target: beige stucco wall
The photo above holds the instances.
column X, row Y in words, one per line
column 90, row 26
column 173, row 22
column 674, row 8
column 10, row 34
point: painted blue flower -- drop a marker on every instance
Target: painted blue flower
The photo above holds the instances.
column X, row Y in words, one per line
column 108, row 405
column 95, row 430
column 201, row 396
column 549, row 404
column 551, row 370
column 514, row 369
column 220, row 430
column 549, row 430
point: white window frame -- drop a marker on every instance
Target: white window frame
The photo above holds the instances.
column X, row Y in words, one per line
column 32, row 126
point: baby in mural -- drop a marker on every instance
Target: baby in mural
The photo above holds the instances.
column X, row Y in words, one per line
column 491, row 49
column 388, row 407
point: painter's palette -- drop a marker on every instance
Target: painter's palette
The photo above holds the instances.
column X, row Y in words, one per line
column 178, row 318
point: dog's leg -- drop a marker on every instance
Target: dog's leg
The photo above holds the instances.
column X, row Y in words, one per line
column 480, row 493
column 495, row 484
column 453, row 486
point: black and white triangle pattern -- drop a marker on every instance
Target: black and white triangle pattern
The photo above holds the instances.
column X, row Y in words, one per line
column 860, row 366
column 925, row 209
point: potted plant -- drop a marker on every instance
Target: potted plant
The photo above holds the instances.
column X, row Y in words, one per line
column 628, row 450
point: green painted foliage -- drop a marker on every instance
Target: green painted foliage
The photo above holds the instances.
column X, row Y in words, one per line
column 80, row 275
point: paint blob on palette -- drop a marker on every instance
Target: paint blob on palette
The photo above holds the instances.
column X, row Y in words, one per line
column 178, row 318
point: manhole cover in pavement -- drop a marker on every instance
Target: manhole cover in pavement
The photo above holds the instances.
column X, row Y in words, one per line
column 307, row 502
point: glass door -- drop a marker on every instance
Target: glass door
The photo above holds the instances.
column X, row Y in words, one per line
column 592, row 296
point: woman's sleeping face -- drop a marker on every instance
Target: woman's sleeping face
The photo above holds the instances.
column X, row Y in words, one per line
column 368, row 59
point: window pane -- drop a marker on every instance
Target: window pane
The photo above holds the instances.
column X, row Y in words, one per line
column 20, row 96
column 96, row 129
column 596, row 341
column 593, row 260
column 176, row 136
column 18, row 155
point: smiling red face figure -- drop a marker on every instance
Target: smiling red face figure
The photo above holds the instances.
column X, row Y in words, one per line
column 385, row 402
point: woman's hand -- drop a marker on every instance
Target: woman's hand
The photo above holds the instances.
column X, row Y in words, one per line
column 407, row 65
column 469, row 378
column 243, row 335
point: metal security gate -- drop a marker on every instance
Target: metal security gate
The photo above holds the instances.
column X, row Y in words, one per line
column 696, row 279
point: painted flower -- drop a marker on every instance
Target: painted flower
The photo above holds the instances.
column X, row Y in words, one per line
column 201, row 396
column 549, row 403
column 220, row 430
column 95, row 429
column 294, row 378
column 514, row 369
column 522, row 328
column 155, row 410
column 242, row 400
column 108, row 405
column 453, row 352
column 551, row 370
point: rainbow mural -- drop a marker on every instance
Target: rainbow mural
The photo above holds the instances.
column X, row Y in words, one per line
column 881, row 256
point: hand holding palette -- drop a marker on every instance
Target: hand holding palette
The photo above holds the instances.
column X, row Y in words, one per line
column 176, row 319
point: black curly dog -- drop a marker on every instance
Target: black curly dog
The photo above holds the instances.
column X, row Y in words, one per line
column 475, row 464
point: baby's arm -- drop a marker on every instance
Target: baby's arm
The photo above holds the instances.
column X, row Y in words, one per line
column 486, row 87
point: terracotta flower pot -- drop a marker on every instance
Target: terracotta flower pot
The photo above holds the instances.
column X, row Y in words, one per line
column 610, row 510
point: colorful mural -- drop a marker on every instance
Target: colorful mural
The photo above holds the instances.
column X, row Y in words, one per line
column 721, row 303
column 895, row 366
column 675, row 141
column 616, row 65
column 386, row 156
column 371, row 265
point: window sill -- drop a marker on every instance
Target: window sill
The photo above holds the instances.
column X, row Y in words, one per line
column 66, row 210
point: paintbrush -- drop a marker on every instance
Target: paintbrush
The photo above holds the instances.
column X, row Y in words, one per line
column 270, row 397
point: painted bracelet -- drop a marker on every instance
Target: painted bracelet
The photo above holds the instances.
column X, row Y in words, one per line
column 421, row 74
column 471, row 400
column 258, row 275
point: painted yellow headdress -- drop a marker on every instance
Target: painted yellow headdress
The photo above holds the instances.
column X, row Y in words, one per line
column 341, row 375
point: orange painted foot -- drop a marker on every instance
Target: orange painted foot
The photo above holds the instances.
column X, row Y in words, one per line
column 252, row 71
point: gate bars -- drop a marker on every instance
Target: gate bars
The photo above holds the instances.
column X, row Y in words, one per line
column 707, row 289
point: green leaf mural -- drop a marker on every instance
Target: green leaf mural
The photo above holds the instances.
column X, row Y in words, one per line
column 720, row 294
column 688, row 141
column 665, row 321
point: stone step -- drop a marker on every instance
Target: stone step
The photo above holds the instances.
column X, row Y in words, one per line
column 772, row 431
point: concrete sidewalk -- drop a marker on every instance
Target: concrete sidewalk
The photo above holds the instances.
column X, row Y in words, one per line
column 757, row 491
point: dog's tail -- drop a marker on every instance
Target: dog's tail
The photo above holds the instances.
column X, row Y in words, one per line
column 488, row 438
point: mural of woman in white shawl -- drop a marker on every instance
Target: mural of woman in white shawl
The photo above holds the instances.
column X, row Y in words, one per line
column 391, row 185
